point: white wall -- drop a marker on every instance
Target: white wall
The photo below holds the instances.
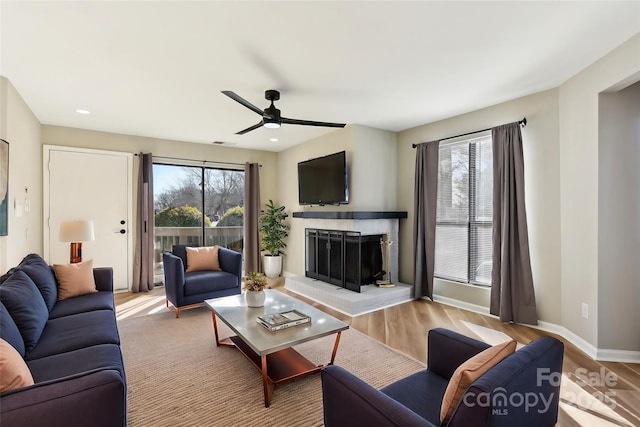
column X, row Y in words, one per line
column 618, row 219
column 372, row 174
column 579, row 170
column 20, row 127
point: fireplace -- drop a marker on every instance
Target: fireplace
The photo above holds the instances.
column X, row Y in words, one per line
column 344, row 247
column 344, row 258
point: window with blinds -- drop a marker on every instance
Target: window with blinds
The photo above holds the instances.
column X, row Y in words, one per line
column 464, row 221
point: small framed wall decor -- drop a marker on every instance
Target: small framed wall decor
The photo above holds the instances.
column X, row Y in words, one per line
column 4, row 187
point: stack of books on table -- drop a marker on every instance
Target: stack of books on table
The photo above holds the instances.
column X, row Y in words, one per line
column 283, row 320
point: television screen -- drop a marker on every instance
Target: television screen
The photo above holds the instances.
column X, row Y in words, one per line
column 323, row 181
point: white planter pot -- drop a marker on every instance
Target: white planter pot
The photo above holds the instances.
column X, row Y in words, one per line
column 272, row 265
column 254, row 298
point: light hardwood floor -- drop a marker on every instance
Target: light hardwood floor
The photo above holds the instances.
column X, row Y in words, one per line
column 404, row 327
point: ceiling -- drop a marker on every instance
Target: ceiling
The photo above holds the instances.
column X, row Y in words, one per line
column 156, row 69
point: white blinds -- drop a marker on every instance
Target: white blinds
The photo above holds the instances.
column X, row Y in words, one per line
column 465, row 211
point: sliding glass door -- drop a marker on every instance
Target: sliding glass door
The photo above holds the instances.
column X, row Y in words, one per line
column 197, row 206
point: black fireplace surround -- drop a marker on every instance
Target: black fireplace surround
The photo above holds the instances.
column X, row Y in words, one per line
column 343, row 258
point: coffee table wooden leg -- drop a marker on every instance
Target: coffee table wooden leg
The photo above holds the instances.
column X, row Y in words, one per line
column 215, row 328
column 266, row 383
column 335, row 348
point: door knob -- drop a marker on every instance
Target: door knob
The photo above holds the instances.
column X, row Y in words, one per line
column 122, row 231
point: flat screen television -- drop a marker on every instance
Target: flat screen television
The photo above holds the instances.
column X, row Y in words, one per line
column 323, row 180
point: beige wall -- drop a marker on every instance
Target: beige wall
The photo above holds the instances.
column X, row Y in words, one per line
column 372, row 179
column 72, row 137
column 542, row 197
column 20, row 127
column 618, row 214
column 578, row 106
column 374, row 170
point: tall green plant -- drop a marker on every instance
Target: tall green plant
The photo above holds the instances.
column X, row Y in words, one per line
column 273, row 228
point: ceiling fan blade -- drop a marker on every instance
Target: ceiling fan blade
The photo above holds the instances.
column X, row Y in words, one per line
column 249, row 129
column 312, row 123
column 242, row 101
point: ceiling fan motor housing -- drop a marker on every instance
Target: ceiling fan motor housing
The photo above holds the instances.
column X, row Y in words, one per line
column 272, row 95
column 271, row 117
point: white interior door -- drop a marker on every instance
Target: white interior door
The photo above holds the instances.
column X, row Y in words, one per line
column 96, row 185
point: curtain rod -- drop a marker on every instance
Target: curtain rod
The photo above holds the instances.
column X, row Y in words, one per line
column 197, row 161
column 522, row 123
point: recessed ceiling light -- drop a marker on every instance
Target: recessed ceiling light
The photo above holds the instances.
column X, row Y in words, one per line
column 83, row 111
column 274, row 139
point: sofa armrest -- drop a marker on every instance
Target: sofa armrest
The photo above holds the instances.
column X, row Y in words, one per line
column 104, row 278
column 349, row 401
column 446, row 350
column 532, row 373
column 173, row 277
column 97, row 398
column 231, row 262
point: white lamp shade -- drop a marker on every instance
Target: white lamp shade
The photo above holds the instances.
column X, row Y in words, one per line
column 76, row 231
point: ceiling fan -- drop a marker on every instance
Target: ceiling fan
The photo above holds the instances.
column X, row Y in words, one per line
column 271, row 117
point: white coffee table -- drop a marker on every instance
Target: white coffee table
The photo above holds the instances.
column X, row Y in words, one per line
column 271, row 352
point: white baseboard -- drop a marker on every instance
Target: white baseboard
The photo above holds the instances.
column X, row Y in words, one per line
column 582, row 344
column 600, row 354
column 623, row 356
column 461, row 304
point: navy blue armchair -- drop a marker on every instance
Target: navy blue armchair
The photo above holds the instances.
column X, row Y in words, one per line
column 186, row 290
column 521, row 390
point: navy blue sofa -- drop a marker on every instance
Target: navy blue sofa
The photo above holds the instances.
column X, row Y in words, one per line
column 71, row 347
column 185, row 290
column 531, row 373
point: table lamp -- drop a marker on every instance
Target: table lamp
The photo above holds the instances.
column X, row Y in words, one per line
column 76, row 232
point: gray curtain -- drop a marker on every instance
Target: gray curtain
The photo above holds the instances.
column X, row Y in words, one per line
column 424, row 222
column 251, row 217
column 512, row 294
column 143, row 262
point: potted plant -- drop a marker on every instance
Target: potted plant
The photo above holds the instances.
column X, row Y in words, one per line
column 254, row 284
column 273, row 231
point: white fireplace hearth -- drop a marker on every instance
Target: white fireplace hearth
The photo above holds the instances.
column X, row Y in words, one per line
column 370, row 298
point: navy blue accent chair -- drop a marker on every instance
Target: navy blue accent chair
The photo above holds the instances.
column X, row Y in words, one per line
column 533, row 372
column 186, row 290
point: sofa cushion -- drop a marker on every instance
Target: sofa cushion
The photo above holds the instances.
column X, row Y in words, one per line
column 421, row 392
column 42, row 275
column 200, row 282
column 6, row 275
column 14, row 373
column 75, row 279
column 26, row 306
column 9, row 330
column 202, row 259
column 76, row 331
column 102, row 356
column 83, row 304
column 470, row 371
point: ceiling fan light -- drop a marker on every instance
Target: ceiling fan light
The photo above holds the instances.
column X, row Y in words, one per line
column 271, row 124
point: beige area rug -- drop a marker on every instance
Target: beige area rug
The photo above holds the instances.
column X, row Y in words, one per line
column 178, row 377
